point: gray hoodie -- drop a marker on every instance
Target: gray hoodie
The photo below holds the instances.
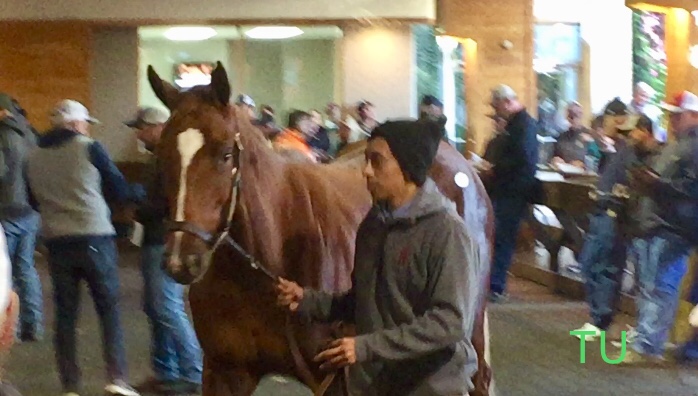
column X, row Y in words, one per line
column 416, row 282
column 16, row 140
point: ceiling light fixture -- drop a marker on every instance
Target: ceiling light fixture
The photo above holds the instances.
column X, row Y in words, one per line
column 190, row 33
column 695, row 16
column 273, row 32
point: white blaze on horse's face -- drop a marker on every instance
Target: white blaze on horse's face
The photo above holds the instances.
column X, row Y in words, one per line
column 189, row 143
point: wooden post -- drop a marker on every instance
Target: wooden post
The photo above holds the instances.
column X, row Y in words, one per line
column 484, row 27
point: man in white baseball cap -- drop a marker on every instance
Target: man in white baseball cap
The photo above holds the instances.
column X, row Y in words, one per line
column 72, row 113
column 72, row 179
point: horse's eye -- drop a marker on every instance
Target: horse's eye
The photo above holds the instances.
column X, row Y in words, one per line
column 227, row 157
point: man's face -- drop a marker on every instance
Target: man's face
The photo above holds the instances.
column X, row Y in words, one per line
column 316, row 117
column 431, row 110
column 82, row 127
column 367, row 113
column 306, row 126
column 249, row 110
column 642, row 137
column 501, row 107
column 682, row 122
column 384, row 177
column 641, row 97
column 334, row 113
column 574, row 116
column 149, row 134
column 612, row 123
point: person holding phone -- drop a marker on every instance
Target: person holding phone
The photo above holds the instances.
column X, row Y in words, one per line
column 669, row 232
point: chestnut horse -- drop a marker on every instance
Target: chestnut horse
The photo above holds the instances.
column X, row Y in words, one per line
column 233, row 202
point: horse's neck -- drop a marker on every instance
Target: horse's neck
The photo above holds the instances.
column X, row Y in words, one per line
column 256, row 223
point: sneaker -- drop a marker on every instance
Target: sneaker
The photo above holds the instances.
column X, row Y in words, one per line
column 589, row 337
column 120, row 388
column 630, row 336
column 634, row 358
column 29, row 336
column 497, row 297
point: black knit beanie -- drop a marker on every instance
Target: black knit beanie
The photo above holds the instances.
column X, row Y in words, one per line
column 413, row 144
column 616, row 107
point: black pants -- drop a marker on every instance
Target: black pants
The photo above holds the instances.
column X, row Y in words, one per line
column 94, row 260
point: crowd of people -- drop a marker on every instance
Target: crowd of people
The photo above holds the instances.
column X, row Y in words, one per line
column 63, row 182
column 646, row 206
column 320, row 139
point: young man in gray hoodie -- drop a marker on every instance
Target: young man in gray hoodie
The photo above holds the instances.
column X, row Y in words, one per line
column 416, row 282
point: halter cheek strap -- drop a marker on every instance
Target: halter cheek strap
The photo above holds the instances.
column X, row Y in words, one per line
column 237, row 175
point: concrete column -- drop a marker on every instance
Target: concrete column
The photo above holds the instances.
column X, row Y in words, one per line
column 114, row 89
column 378, row 66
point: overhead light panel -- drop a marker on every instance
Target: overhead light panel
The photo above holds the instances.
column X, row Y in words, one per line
column 190, row 33
column 273, row 32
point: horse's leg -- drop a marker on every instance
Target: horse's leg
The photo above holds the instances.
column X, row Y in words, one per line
column 240, row 381
column 224, row 380
column 214, row 383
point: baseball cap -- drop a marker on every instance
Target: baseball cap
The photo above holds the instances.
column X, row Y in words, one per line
column 246, row 100
column 685, row 101
column 70, row 110
column 148, row 116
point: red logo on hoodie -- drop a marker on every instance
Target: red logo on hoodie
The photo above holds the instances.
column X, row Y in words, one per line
column 404, row 256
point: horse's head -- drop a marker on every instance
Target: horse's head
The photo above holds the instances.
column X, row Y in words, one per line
column 199, row 159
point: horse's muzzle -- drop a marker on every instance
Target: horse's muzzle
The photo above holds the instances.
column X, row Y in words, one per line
column 184, row 269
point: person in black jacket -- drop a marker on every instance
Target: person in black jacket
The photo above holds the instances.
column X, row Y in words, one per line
column 320, row 141
column 513, row 181
column 175, row 352
column 432, row 109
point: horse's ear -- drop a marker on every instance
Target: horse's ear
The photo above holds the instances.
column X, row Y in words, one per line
column 163, row 90
column 220, row 84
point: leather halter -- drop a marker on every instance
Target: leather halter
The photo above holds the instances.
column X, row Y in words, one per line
column 215, row 241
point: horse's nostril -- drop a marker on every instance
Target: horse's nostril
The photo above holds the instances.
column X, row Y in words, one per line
column 191, row 260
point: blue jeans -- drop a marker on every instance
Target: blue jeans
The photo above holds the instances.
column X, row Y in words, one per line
column 21, row 243
column 662, row 264
column 95, row 260
column 602, row 260
column 508, row 212
column 175, row 351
